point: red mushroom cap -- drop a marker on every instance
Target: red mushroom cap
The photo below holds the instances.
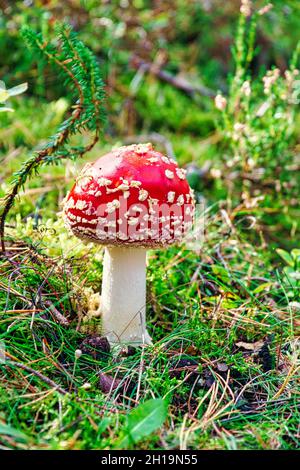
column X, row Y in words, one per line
column 131, row 196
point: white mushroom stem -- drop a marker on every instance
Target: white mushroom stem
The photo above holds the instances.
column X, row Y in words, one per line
column 123, row 298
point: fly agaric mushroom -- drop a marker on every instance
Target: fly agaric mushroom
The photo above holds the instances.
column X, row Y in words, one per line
column 130, row 200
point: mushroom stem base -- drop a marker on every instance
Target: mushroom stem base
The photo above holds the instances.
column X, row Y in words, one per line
column 123, row 298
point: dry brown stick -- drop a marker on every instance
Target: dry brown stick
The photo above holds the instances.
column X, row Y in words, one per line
column 177, row 82
column 42, row 377
column 62, row 320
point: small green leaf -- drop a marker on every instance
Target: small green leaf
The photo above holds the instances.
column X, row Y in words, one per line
column 262, row 287
column 144, row 420
column 103, row 425
column 285, row 256
column 221, row 272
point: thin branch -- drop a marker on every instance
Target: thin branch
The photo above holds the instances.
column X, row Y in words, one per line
column 42, row 377
column 176, row 81
column 61, row 319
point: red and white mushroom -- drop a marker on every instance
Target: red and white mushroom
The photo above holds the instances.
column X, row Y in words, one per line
column 130, row 200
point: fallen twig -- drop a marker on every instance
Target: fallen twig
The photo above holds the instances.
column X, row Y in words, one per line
column 178, row 82
column 61, row 319
column 42, row 377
